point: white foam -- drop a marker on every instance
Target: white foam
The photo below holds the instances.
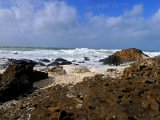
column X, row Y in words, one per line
column 152, row 54
column 77, row 54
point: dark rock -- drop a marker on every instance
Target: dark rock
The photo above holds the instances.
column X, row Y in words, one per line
column 64, row 116
column 17, row 79
column 0, row 77
column 22, row 61
column 40, row 64
column 127, row 55
column 44, row 60
column 38, row 75
column 86, row 59
column 81, row 62
column 60, row 61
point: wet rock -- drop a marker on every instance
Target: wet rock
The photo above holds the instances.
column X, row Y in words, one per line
column 17, row 79
column 44, row 60
column 22, row 61
column 60, row 61
column 127, row 55
column 40, row 64
column 86, row 59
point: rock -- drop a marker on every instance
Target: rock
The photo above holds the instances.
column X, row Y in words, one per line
column 57, row 70
column 22, row 61
column 127, row 55
column 135, row 96
column 0, row 77
column 64, row 115
column 147, row 69
column 18, row 79
column 38, row 75
column 40, row 64
column 86, row 59
column 60, row 61
column 44, row 60
column 99, row 98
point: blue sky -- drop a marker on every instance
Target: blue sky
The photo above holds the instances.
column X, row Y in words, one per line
column 106, row 24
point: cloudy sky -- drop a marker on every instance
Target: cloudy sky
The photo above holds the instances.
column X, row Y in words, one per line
column 80, row 23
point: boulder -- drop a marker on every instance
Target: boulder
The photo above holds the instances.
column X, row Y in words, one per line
column 124, row 56
column 18, row 79
column 86, row 59
column 44, row 60
column 60, row 61
column 22, row 61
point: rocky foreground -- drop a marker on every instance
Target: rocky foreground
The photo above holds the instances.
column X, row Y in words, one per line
column 131, row 95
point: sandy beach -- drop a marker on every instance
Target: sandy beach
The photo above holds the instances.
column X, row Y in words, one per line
column 76, row 73
column 122, row 86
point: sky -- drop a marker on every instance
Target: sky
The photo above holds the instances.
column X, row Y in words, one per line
column 102, row 24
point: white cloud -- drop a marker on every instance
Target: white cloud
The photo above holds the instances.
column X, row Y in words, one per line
column 23, row 24
column 56, row 24
column 136, row 11
column 57, row 14
column 156, row 17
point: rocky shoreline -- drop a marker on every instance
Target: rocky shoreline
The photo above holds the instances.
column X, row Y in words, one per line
column 65, row 91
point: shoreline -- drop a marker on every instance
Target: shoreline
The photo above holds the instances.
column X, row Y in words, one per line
column 65, row 89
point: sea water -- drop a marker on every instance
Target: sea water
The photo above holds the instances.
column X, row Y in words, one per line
column 77, row 55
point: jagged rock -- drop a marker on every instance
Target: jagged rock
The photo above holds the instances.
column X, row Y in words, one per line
column 17, row 79
column 147, row 69
column 96, row 98
column 127, row 55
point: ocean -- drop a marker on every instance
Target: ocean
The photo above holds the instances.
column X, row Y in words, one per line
column 76, row 55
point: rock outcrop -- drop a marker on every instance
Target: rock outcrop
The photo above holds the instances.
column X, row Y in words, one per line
column 96, row 98
column 135, row 96
column 18, row 79
column 127, row 55
column 148, row 69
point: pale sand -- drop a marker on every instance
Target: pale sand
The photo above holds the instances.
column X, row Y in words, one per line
column 75, row 76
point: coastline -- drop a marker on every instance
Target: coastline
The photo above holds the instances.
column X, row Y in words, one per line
column 64, row 89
